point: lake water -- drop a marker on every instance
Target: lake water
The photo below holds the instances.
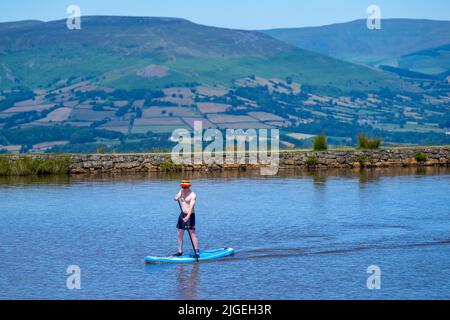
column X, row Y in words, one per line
column 298, row 235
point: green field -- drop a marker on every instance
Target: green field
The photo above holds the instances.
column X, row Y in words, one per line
column 39, row 69
column 433, row 61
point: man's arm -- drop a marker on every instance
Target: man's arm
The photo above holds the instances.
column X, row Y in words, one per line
column 178, row 196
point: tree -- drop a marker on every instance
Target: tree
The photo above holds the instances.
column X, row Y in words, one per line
column 138, row 113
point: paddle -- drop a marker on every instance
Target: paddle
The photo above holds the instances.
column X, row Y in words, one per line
column 187, row 228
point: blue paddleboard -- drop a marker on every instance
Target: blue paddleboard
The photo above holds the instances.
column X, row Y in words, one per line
column 206, row 255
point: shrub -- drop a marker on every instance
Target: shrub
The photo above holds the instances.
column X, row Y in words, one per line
column 100, row 150
column 361, row 158
column 82, row 136
column 169, row 166
column 311, row 161
column 421, row 157
column 320, row 143
column 138, row 113
column 122, row 111
column 366, row 143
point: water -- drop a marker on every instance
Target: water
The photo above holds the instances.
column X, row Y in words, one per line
column 297, row 235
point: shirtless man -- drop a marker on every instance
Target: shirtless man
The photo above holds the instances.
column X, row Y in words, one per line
column 186, row 220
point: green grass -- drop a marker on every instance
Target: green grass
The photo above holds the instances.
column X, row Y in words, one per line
column 38, row 68
column 10, row 166
column 301, row 66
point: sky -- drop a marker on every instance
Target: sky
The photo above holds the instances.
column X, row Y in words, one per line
column 238, row 14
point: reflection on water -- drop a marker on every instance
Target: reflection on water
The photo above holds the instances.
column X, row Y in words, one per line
column 186, row 278
column 188, row 281
column 319, row 177
column 30, row 180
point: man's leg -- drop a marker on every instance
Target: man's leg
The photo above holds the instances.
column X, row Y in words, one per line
column 194, row 238
column 180, row 240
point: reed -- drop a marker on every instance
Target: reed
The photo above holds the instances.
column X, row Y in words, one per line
column 26, row 166
column 366, row 143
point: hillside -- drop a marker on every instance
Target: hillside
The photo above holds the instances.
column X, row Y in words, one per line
column 117, row 52
column 429, row 64
column 353, row 41
column 434, row 61
column 125, row 83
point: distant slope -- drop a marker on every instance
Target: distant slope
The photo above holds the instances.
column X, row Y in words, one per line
column 117, row 52
column 353, row 41
column 433, row 61
column 130, row 35
column 13, row 26
column 407, row 73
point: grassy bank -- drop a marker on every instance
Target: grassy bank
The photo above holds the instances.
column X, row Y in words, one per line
column 34, row 166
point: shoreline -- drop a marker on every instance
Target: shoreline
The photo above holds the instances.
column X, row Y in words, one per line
column 73, row 164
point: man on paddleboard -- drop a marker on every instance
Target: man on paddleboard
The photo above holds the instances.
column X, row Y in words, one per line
column 186, row 220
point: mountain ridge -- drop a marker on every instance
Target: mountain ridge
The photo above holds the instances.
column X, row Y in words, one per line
column 353, row 41
column 104, row 30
